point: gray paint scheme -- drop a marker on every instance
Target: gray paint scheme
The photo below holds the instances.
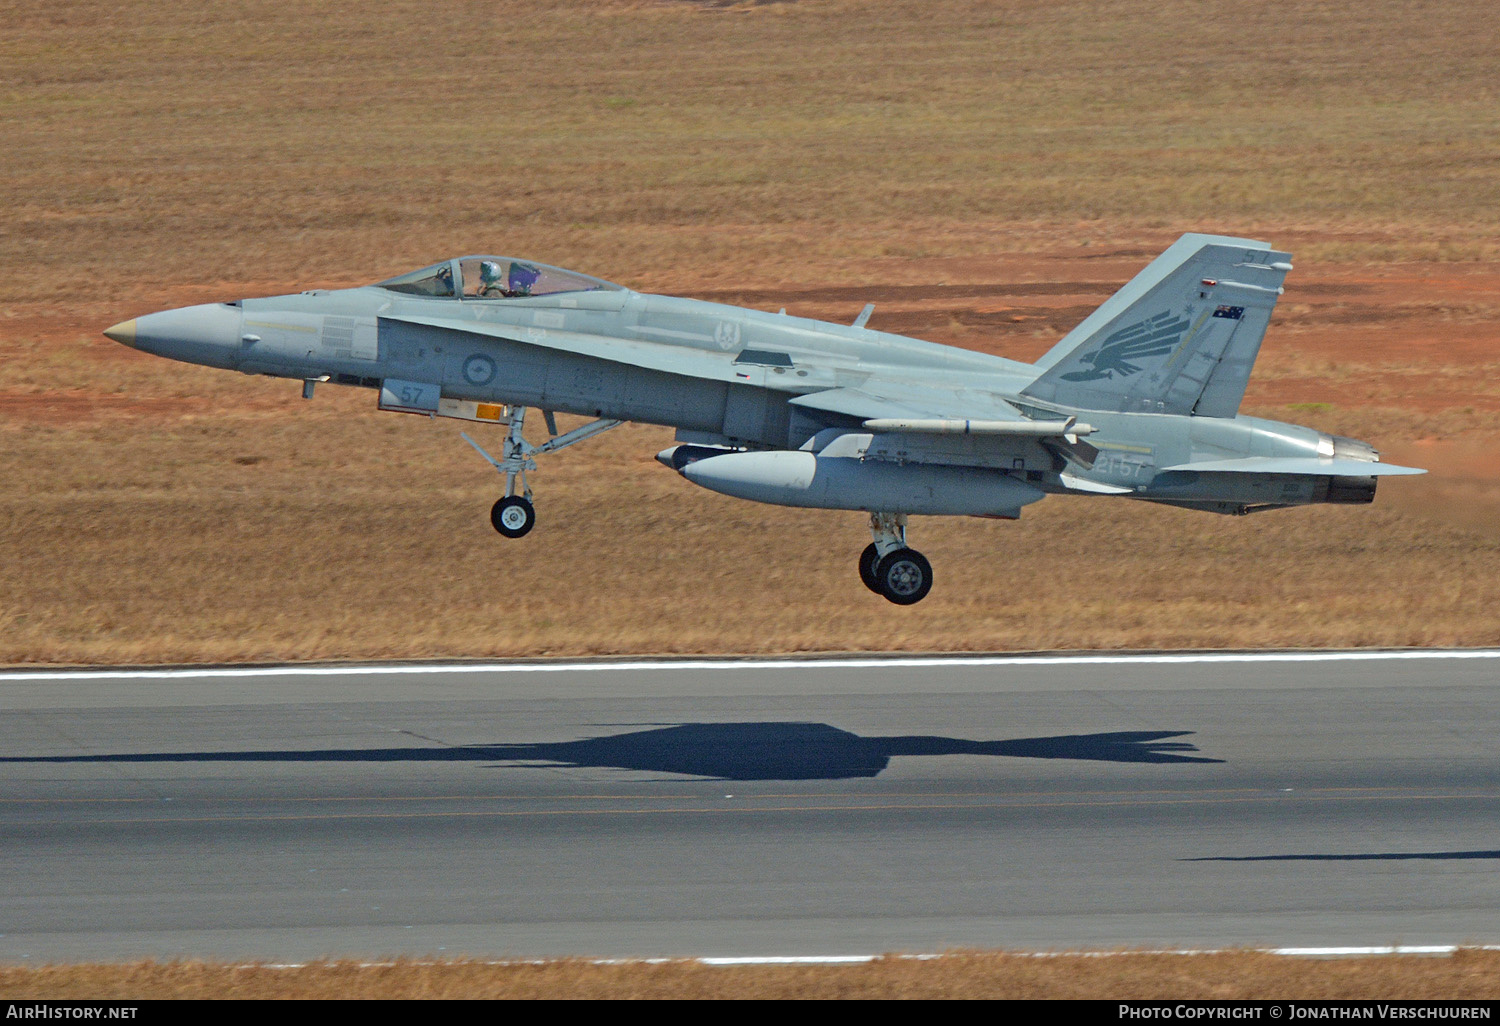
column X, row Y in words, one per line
column 1157, row 372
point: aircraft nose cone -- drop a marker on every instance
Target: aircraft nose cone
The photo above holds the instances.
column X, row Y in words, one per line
column 123, row 333
column 208, row 334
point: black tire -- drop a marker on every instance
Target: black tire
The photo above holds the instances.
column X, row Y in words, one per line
column 513, row 516
column 904, row 576
column 867, row 561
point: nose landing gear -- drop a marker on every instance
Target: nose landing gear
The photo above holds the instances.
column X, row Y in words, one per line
column 514, row 515
column 890, row 569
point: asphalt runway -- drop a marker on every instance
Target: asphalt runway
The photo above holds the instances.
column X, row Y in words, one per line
column 751, row 809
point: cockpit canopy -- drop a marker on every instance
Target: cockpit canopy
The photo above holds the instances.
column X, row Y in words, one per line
column 493, row 277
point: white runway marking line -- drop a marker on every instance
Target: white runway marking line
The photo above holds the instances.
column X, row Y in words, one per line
column 856, row 663
column 734, row 960
column 1326, row 952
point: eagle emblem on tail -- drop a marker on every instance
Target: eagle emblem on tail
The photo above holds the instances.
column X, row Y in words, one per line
column 1116, row 356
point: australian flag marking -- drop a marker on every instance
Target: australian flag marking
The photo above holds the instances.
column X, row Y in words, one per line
column 1234, row 313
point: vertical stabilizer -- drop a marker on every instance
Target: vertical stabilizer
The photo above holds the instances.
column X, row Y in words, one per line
column 1180, row 337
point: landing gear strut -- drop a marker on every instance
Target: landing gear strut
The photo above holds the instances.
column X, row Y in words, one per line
column 890, row 569
column 514, row 515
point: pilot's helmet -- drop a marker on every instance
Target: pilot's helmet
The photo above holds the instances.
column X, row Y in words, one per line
column 489, row 273
column 523, row 277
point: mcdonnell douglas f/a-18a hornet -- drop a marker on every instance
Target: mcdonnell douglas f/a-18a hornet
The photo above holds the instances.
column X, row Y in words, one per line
column 1140, row 400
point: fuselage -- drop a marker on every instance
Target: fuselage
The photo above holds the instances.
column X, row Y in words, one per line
column 725, row 376
column 1140, row 400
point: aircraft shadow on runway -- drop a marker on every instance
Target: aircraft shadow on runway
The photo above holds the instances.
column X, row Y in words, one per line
column 727, row 751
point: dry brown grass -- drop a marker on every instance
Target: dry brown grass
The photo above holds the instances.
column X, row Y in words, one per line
column 331, row 533
column 1467, row 974
column 161, row 154
column 153, row 144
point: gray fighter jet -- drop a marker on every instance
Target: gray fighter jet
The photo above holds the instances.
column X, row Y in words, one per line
column 1140, row 400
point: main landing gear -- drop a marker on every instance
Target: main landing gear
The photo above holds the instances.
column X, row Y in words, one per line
column 514, row 515
column 888, row 568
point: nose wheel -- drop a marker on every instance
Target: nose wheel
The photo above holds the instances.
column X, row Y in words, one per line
column 513, row 516
column 888, row 568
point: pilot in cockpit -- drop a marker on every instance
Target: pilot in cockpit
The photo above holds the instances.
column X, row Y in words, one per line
column 495, row 284
column 489, row 280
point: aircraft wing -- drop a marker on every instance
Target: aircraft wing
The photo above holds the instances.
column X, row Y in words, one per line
column 910, row 423
column 880, row 404
column 859, row 404
column 882, row 399
column 1296, row 465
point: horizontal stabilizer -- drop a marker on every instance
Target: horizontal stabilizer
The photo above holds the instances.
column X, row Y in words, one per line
column 1083, row 484
column 1296, row 465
